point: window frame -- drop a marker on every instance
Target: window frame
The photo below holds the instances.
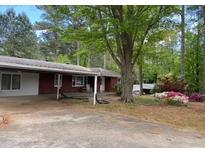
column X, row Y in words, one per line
column 11, row 84
column 12, row 79
column 75, row 76
column 55, row 82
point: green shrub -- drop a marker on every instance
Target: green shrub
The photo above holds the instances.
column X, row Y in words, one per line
column 118, row 89
column 174, row 102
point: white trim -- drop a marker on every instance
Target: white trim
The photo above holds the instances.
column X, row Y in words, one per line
column 78, row 85
column 59, row 80
column 95, row 89
column 29, row 84
column 48, row 69
column 59, row 84
column 10, row 73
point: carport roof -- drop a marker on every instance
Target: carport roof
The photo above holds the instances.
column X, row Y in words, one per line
column 39, row 65
column 105, row 72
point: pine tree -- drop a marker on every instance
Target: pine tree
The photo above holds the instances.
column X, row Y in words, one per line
column 17, row 35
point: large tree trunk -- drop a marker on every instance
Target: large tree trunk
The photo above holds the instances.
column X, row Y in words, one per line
column 127, row 82
column 182, row 42
column 127, row 68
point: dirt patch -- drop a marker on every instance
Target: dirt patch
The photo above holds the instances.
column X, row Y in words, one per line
column 4, row 120
column 156, row 131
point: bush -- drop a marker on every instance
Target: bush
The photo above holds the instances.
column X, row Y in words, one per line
column 174, row 102
column 197, row 97
column 118, row 89
column 173, row 98
column 170, row 82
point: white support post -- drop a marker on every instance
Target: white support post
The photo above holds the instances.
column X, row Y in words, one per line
column 95, row 89
column 58, row 89
column 59, row 85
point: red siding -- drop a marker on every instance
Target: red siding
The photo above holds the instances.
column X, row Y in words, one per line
column 110, row 83
column 46, row 84
column 67, row 85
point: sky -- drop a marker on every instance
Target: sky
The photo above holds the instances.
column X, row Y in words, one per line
column 31, row 11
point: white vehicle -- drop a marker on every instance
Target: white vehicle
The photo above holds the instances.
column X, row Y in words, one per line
column 146, row 86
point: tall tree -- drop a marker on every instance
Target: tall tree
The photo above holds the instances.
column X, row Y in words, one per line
column 51, row 44
column 182, row 41
column 17, row 37
column 161, row 56
column 203, row 48
column 124, row 29
column 194, row 72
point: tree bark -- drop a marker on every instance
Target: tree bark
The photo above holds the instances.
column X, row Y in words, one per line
column 124, row 41
column 127, row 82
column 127, row 68
column 182, row 42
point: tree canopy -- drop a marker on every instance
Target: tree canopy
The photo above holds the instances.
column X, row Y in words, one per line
column 17, row 37
column 123, row 30
column 143, row 43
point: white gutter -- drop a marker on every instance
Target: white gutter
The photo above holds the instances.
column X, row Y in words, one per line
column 47, row 69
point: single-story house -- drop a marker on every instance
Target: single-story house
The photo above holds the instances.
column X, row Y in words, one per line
column 20, row 77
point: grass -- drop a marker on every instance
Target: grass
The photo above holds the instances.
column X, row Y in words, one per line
column 150, row 109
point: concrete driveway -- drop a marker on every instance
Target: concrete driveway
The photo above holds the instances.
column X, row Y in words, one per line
column 40, row 122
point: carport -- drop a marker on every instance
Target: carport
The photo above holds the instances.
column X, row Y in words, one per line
column 20, row 76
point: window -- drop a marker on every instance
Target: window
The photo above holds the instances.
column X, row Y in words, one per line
column 16, row 81
column 78, row 81
column 6, row 82
column 56, row 80
column 10, row 81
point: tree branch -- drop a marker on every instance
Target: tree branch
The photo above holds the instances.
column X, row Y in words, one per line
column 107, row 41
column 151, row 24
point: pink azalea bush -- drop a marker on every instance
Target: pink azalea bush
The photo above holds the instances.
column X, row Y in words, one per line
column 197, row 97
column 173, row 98
column 170, row 82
